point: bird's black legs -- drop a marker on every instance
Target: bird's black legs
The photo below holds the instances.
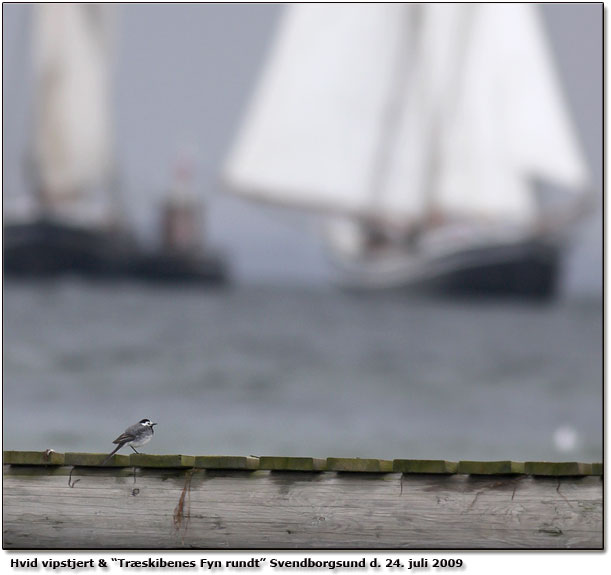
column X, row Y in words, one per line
column 135, row 449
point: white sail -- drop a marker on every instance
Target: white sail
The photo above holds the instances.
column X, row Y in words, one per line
column 72, row 140
column 311, row 134
column 510, row 124
column 398, row 110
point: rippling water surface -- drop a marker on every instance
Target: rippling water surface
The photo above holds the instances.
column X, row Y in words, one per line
column 287, row 371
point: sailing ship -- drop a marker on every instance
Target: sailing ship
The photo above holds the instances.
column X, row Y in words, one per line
column 74, row 223
column 434, row 139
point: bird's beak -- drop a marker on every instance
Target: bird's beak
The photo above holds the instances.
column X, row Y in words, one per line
column 153, row 424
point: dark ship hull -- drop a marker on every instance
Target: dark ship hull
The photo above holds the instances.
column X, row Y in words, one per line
column 529, row 269
column 46, row 248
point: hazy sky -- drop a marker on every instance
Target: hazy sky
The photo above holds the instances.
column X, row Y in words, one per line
column 185, row 73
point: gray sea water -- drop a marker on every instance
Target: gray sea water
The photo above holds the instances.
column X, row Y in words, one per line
column 304, row 372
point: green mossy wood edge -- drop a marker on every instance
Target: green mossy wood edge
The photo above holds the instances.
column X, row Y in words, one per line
column 95, row 460
column 292, row 463
column 424, row 466
column 32, row 458
column 157, row 461
column 563, row 468
column 226, row 462
column 490, row 467
column 355, row 465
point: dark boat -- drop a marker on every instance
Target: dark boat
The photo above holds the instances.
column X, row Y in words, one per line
column 527, row 271
column 74, row 221
column 524, row 269
column 47, row 248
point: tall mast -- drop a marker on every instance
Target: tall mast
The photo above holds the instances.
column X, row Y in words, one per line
column 405, row 66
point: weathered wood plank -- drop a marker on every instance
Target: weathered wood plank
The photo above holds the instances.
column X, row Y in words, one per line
column 563, row 468
column 490, row 467
column 226, row 462
column 96, row 459
column 277, row 509
column 424, row 466
column 48, row 457
column 355, row 465
column 292, row 463
column 351, row 464
column 161, row 461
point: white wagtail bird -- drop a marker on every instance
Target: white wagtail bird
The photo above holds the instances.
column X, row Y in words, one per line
column 134, row 436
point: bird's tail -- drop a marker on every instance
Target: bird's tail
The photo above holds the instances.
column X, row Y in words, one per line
column 112, row 453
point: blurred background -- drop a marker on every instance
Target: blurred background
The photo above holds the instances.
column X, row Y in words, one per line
column 386, row 242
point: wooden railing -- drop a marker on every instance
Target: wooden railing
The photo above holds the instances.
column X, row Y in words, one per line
column 54, row 500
